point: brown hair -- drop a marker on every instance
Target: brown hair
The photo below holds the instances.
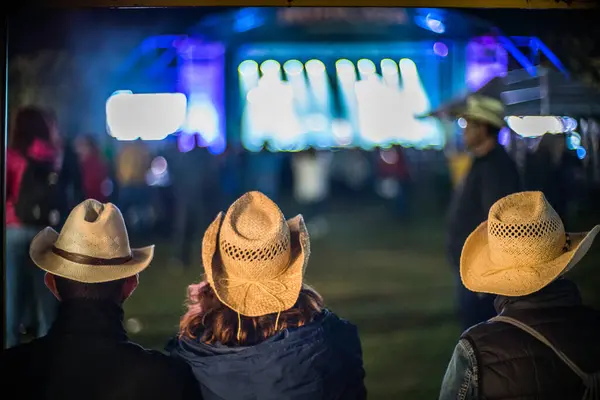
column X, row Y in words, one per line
column 213, row 322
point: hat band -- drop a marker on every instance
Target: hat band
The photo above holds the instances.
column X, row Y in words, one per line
column 88, row 260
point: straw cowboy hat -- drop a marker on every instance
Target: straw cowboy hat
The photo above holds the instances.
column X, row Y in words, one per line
column 521, row 248
column 483, row 108
column 92, row 247
column 253, row 258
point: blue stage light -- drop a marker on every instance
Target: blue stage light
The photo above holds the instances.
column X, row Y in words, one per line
column 248, row 67
column 293, row 67
column 389, row 66
column 315, row 66
column 270, row 66
column 366, row 66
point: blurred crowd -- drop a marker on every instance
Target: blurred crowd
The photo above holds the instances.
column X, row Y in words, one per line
column 507, row 244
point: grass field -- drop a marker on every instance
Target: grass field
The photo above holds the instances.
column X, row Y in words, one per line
column 390, row 279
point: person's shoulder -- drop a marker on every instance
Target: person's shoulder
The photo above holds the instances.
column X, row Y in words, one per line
column 483, row 330
column 152, row 358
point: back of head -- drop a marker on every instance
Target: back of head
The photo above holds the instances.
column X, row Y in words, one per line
column 213, row 322
column 30, row 124
column 112, row 291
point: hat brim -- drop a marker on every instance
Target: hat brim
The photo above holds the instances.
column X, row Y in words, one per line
column 41, row 253
column 480, row 274
column 482, row 117
column 283, row 290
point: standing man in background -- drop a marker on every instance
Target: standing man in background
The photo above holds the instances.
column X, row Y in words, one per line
column 492, row 175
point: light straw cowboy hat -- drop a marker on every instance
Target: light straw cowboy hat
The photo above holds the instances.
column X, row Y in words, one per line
column 483, row 108
column 92, row 247
column 253, row 258
column 521, row 248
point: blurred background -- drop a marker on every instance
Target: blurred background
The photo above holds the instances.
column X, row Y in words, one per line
column 172, row 114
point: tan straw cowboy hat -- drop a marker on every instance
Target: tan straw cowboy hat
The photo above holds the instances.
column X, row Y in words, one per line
column 92, row 247
column 521, row 248
column 253, row 258
column 483, row 108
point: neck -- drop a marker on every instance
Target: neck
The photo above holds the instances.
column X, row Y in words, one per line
column 484, row 147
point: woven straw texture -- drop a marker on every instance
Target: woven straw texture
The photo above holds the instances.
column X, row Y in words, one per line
column 521, row 248
column 95, row 230
column 253, row 258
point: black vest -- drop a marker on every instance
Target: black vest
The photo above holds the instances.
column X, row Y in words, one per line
column 514, row 365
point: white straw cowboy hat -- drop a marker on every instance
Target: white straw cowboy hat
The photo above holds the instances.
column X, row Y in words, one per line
column 92, row 247
column 483, row 108
column 521, row 248
column 253, row 258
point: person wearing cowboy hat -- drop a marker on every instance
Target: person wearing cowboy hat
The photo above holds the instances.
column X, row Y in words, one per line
column 543, row 344
column 492, row 175
column 92, row 270
column 253, row 329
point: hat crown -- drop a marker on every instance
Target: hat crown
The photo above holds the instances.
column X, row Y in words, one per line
column 254, row 240
column 489, row 103
column 524, row 230
column 96, row 230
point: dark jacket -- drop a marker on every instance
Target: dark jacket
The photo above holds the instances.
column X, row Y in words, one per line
column 318, row 361
column 86, row 355
column 490, row 178
column 495, row 360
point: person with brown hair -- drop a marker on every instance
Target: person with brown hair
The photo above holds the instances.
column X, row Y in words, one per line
column 253, row 329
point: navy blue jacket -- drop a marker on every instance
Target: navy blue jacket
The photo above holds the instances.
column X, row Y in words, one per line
column 318, row 361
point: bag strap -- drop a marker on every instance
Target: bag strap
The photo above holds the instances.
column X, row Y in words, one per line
column 586, row 378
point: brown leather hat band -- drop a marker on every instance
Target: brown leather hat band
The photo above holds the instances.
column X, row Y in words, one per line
column 87, row 260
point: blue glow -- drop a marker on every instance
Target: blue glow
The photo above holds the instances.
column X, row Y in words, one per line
column 389, row 66
column 270, row 67
column 407, row 64
column 293, row 110
column 504, row 136
column 365, row 66
column 435, row 24
column 573, row 141
column 314, row 67
column 293, row 67
column 248, row 68
column 569, row 123
column 517, row 54
column 344, row 64
column 581, row 153
column 440, row 49
column 247, row 19
column 202, row 118
column 551, row 56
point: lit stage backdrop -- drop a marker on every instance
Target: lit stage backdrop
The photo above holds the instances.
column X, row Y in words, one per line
column 363, row 95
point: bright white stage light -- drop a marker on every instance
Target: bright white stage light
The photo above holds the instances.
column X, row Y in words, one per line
column 149, row 116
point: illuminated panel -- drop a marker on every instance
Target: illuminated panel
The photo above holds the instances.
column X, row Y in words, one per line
column 307, row 94
column 534, row 126
column 202, row 78
column 149, row 116
column 486, row 59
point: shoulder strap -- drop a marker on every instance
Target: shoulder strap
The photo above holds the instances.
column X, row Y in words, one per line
column 591, row 381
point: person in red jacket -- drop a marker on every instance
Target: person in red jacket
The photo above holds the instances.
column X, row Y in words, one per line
column 31, row 139
column 94, row 169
